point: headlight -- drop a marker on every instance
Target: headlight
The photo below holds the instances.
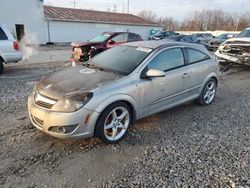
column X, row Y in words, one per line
column 72, row 102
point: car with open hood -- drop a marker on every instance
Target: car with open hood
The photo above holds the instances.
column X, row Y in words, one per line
column 104, row 96
column 83, row 51
column 236, row 50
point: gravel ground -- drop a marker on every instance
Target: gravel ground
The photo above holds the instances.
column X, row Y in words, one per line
column 188, row 146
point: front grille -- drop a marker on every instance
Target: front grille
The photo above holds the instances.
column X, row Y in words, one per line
column 43, row 101
column 38, row 121
column 44, row 104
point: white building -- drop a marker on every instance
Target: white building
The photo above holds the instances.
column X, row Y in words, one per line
column 62, row 25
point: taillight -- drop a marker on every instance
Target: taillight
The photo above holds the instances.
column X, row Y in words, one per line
column 15, row 45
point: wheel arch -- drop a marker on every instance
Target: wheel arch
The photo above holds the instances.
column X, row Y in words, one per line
column 1, row 58
column 119, row 98
column 212, row 75
column 215, row 78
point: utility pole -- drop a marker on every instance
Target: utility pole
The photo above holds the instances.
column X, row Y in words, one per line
column 115, row 8
column 74, row 3
column 128, row 6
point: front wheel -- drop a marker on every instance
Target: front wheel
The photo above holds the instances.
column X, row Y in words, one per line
column 208, row 93
column 113, row 123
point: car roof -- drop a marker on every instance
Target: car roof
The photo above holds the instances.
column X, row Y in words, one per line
column 113, row 33
column 153, row 44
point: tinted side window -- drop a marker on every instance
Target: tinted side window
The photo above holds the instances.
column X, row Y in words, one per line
column 132, row 37
column 196, row 56
column 3, row 36
column 121, row 38
column 167, row 60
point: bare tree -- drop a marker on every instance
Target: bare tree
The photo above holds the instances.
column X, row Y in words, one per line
column 202, row 20
column 148, row 15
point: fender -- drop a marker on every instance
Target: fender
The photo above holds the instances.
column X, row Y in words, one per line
column 118, row 97
column 211, row 75
column 2, row 56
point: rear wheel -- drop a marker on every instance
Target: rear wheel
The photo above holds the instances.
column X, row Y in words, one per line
column 208, row 93
column 113, row 124
column 1, row 66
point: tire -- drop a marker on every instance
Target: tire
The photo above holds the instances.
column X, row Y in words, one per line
column 1, row 66
column 208, row 93
column 113, row 123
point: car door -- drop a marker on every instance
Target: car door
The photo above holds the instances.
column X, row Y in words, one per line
column 159, row 93
column 198, row 63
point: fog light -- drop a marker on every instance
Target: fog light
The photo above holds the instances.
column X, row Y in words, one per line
column 63, row 129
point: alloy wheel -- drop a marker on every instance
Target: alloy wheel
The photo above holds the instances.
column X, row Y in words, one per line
column 116, row 123
column 209, row 92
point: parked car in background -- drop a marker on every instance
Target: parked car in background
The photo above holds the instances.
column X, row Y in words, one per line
column 203, row 37
column 83, row 51
column 163, row 34
column 121, row 85
column 187, row 38
column 9, row 48
column 236, row 50
column 152, row 34
column 214, row 43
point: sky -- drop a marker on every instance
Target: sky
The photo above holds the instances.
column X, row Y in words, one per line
column 177, row 9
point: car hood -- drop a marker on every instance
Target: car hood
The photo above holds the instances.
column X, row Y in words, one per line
column 74, row 79
column 242, row 41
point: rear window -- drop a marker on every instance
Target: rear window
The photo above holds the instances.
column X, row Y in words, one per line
column 195, row 56
column 3, row 36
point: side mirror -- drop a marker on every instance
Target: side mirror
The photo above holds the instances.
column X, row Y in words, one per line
column 152, row 73
column 111, row 42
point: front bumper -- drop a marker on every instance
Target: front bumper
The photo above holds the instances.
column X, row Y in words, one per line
column 227, row 57
column 45, row 120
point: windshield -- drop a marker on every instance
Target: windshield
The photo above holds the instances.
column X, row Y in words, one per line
column 121, row 59
column 244, row 33
column 175, row 37
column 223, row 36
column 159, row 34
column 100, row 38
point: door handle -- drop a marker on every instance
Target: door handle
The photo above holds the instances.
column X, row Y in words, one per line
column 185, row 75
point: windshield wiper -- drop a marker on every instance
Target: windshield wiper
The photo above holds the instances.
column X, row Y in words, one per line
column 91, row 65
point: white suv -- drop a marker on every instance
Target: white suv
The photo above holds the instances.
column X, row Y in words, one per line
column 9, row 49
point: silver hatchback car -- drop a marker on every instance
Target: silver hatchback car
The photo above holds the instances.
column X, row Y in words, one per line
column 110, row 92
